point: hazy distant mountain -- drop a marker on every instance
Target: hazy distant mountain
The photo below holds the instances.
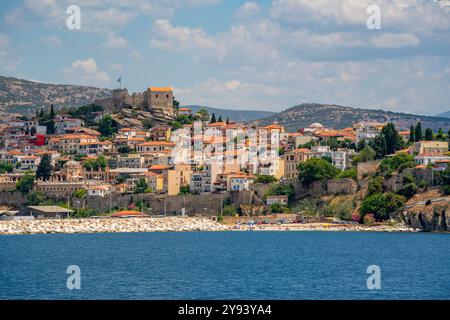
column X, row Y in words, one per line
column 339, row 117
column 234, row 115
column 24, row 96
column 445, row 114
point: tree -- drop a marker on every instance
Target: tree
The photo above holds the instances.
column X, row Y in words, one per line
column 366, row 154
column 412, row 134
column 52, row 112
column 80, row 193
column 6, row 167
column 229, row 211
column 428, row 134
column 35, row 198
column 96, row 164
column 203, row 115
column 25, row 183
column 176, row 103
column 398, row 162
column 44, row 170
column 381, row 205
column 316, row 169
column 278, row 208
column 141, row 186
column 184, row 189
column 220, row 119
column 387, row 142
column 107, row 126
column 265, row 179
column 361, row 145
column 418, row 132
column 213, row 118
column 375, row 186
column 440, row 135
column 228, row 121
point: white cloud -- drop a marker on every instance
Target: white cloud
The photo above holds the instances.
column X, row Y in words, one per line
column 248, row 9
column 53, row 41
column 114, row 66
column 136, row 55
column 395, row 40
column 417, row 15
column 115, row 42
column 86, row 72
column 233, row 84
column 9, row 61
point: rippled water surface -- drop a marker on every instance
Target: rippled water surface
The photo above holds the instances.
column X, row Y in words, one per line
column 226, row 265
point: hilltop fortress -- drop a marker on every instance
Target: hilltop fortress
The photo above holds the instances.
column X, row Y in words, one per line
column 158, row 101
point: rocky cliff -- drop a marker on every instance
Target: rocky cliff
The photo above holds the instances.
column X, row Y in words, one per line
column 428, row 217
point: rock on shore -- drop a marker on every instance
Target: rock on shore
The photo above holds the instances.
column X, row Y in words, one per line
column 110, row 225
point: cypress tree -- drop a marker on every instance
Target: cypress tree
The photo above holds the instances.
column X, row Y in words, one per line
column 52, row 112
column 419, row 133
column 213, row 118
column 428, row 134
column 44, row 169
column 412, row 134
column 220, row 119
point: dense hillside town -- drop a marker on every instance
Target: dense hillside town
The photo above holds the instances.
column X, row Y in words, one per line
column 60, row 156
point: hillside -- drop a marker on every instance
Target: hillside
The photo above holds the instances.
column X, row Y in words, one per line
column 24, row 96
column 445, row 114
column 234, row 115
column 340, row 117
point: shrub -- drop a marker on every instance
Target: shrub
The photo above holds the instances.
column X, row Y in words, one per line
column 408, row 190
column 229, row 211
column 382, row 205
column 369, row 219
column 348, row 173
column 278, row 208
column 316, row 169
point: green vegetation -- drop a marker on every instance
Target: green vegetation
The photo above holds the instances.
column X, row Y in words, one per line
column 266, row 179
column 44, row 170
column 229, row 210
column 387, row 142
column 399, row 162
column 107, row 126
column 35, row 198
column 95, row 164
column 86, row 113
column 6, row 167
column 280, row 189
column 184, row 189
column 316, row 169
column 278, row 208
column 80, row 193
column 142, row 186
column 382, row 205
column 25, row 184
column 365, row 154
column 348, row 173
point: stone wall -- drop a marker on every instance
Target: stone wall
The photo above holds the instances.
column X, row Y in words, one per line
column 14, row 200
column 342, row 186
column 204, row 204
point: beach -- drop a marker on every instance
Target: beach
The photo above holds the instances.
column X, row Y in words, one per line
column 170, row 224
column 110, row 225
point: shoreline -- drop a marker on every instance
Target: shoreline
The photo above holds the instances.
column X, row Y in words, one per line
column 170, row 224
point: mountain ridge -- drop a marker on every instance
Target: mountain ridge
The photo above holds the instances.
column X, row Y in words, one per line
column 340, row 117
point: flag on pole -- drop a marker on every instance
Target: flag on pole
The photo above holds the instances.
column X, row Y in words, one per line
column 120, row 81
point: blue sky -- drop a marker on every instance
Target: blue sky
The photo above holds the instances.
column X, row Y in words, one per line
column 260, row 55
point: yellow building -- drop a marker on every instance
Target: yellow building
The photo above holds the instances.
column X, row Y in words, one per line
column 430, row 147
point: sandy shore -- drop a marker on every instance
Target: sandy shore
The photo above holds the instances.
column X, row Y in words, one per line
column 110, row 225
column 328, row 227
column 169, row 224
